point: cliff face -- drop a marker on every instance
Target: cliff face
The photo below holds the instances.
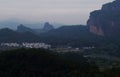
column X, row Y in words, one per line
column 106, row 21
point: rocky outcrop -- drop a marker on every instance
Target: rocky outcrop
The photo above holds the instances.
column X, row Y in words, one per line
column 106, row 21
column 47, row 27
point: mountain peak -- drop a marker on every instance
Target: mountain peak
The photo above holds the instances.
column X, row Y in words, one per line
column 21, row 25
column 48, row 27
column 21, row 28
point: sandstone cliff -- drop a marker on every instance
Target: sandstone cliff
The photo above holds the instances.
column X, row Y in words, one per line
column 106, row 21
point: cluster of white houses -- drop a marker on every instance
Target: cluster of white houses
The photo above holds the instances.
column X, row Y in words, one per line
column 27, row 45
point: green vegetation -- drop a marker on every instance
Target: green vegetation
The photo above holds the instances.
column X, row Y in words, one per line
column 46, row 63
column 43, row 63
column 106, row 58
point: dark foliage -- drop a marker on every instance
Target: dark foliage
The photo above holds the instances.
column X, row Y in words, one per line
column 44, row 63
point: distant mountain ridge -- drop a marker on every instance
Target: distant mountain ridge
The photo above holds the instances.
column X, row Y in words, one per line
column 67, row 31
column 102, row 27
column 13, row 23
column 8, row 35
column 23, row 29
column 75, row 35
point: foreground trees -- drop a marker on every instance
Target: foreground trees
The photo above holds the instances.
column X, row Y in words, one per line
column 43, row 63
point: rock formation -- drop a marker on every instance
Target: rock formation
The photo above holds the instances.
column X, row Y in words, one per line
column 106, row 21
column 47, row 27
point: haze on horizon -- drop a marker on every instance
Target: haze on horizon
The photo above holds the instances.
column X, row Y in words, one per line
column 60, row 11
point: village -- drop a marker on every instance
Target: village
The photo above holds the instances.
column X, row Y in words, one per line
column 37, row 45
column 24, row 45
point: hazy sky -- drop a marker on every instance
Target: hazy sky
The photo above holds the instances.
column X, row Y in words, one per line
column 60, row 11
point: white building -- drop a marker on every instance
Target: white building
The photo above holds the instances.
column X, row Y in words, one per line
column 27, row 45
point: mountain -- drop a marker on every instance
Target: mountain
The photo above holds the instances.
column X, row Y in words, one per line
column 69, row 31
column 74, row 35
column 13, row 23
column 6, row 32
column 106, row 21
column 22, row 29
column 48, row 27
column 8, row 35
